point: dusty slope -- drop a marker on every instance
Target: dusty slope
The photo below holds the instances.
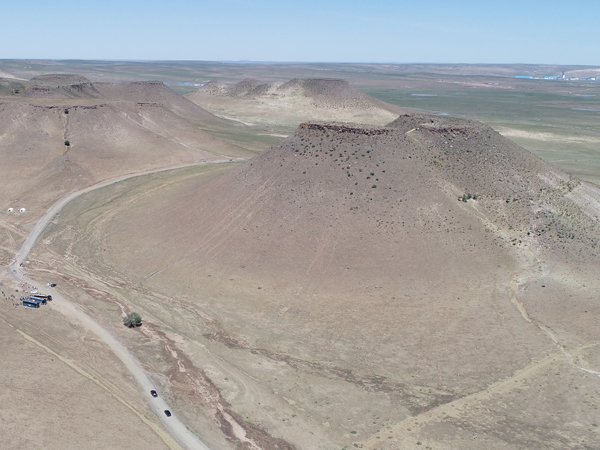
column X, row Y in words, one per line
column 6, row 74
column 112, row 130
column 56, row 395
column 287, row 104
column 338, row 280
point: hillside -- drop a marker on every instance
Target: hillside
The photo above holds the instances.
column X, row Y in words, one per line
column 111, row 130
column 285, row 105
column 427, row 281
column 6, row 74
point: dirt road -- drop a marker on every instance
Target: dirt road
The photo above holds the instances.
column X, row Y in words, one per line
column 177, row 429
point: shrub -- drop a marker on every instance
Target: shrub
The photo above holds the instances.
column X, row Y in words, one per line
column 67, row 143
column 132, row 320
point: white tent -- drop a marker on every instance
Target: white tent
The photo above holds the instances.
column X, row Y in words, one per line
column 22, row 210
column 11, row 209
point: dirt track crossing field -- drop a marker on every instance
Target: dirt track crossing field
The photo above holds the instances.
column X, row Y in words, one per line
column 177, row 429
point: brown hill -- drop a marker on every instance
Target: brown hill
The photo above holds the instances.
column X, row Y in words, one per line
column 60, row 86
column 242, row 88
column 60, row 78
column 212, row 87
column 414, row 270
column 157, row 92
column 329, row 93
column 324, row 92
column 288, row 104
column 112, row 130
column 79, row 90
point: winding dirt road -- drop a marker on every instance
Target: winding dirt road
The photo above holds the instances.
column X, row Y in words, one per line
column 176, row 428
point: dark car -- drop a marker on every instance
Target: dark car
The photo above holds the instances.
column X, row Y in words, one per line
column 52, row 284
column 167, row 413
column 154, row 394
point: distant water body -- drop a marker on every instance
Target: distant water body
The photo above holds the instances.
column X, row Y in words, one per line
column 585, row 109
column 424, row 95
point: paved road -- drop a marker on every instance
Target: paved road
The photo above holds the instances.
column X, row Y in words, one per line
column 177, row 429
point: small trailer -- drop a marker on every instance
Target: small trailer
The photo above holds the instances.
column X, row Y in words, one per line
column 31, row 303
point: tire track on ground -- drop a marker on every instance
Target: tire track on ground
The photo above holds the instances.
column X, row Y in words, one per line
column 165, row 437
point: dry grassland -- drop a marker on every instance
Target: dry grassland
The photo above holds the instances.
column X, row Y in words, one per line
column 283, row 106
column 64, row 390
column 335, row 291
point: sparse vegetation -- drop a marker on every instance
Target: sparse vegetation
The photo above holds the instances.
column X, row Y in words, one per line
column 428, row 277
column 466, row 197
column 132, row 320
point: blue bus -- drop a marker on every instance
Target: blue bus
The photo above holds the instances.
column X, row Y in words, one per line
column 41, row 300
column 31, row 303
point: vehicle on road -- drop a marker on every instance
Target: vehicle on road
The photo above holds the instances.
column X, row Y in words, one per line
column 167, row 413
column 153, row 393
column 52, row 284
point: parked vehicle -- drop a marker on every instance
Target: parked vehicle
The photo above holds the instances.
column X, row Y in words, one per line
column 153, row 393
column 31, row 303
column 41, row 300
column 167, row 413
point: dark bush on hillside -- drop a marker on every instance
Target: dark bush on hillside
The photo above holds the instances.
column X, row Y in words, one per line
column 132, row 320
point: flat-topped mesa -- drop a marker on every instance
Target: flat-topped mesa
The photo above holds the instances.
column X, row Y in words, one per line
column 67, row 109
column 328, row 92
column 138, row 91
column 71, row 91
column 293, row 102
column 436, row 124
column 365, row 130
column 313, row 84
column 144, row 83
column 324, row 92
column 64, row 78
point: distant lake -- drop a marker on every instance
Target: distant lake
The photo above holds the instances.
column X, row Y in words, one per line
column 424, row 95
column 585, row 109
column 586, row 95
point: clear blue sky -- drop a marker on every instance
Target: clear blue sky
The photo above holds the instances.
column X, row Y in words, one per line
column 445, row 31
